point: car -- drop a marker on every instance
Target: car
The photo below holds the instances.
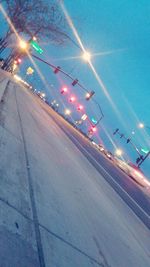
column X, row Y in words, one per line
column 134, row 172
column 109, row 155
column 101, row 147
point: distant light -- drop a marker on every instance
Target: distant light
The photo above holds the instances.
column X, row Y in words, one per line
column 118, row 152
column 133, row 132
column 34, row 38
column 84, row 117
column 67, row 111
column 94, row 129
column 140, row 175
column 17, row 77
column 145, row 150
column 87, row 95
column 29, row 71
column 23, row 44
column 94, row 120
column 86, row 56
column 80, row 107
column 64, row 90
column 19, row 60
column 141, row 125
column 72, row 99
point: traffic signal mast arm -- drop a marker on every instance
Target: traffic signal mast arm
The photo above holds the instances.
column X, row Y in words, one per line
column 74, row 81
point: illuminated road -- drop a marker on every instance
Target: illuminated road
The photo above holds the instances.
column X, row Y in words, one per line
column 57, row 202
column 125, row 186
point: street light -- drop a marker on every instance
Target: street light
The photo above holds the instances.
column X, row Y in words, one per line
column 118, row 152
column 86, row 56
column 141, row 125
column 23, row 45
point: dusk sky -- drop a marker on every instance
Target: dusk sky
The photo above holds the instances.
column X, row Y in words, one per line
column 117, row 34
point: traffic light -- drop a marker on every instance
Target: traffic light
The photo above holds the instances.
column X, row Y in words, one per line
column 18, row 61
column 89, row 95
column 72, row 99
column 64, row 90
column 80, row 107
column 36, row 46
column 75, row 82
column 128, row 140
column 116, row 131
column 92, row 130
column 57, row 69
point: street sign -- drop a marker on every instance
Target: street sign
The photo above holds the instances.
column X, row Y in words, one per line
column 84, row 117
column 94, row 120
column 36, row 46
column 29, row 71
column 145, row 150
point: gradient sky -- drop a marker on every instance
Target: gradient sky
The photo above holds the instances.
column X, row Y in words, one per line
column 121, row 27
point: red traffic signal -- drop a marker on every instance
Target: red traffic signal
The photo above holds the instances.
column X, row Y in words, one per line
column 89, row 95
column 75, row 82
column 18, row 61
column 57, row 69
column 64, row 90
column 80, row 107
column 92, row 130
column 72, row 99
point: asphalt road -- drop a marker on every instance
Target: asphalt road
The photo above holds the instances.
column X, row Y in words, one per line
column 137, row 198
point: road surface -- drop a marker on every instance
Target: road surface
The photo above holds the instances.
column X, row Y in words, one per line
column 57, row 209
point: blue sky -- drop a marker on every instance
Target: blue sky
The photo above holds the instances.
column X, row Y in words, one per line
column 122, row 27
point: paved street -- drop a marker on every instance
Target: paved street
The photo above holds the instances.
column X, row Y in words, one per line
column 59, row 203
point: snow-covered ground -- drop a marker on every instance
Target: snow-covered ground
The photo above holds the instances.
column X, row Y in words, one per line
column 47, row 185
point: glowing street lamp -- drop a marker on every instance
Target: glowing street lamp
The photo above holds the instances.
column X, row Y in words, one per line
column 141, row 125
column 118, row 152
column 23, row 45
column 86, row 56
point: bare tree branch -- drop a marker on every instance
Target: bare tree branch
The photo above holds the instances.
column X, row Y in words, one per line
column 36, row 17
